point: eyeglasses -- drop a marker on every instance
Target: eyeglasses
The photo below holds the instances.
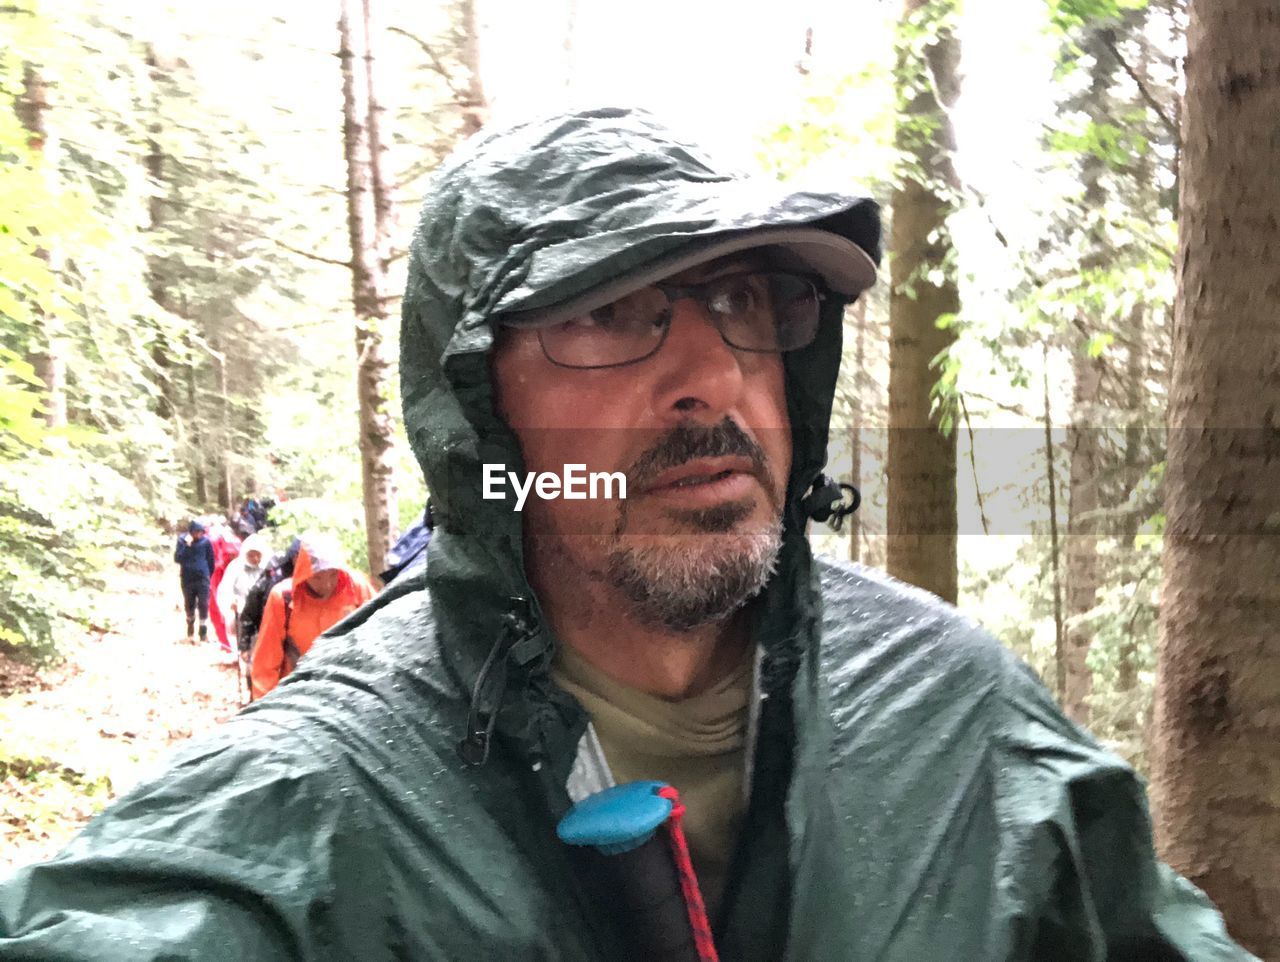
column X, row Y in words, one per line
column 758, row 312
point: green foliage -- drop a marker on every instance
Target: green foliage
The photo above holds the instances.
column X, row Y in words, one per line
column 343, row 520
column 1067, row 15
column 1115, row 146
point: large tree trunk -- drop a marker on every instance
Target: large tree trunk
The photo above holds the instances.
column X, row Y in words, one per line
column 48, row 354
column 368, row 209
column 922, row 523
column 1216, row 777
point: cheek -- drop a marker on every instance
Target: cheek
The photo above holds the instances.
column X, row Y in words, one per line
column 559, row 416
column 767, row 413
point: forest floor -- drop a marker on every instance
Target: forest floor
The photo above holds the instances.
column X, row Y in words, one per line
column 79, row 734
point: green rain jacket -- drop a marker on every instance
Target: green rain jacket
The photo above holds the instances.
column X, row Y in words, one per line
column 915, row 795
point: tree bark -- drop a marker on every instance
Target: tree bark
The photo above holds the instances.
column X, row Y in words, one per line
column 1216, row 773
column 368, row 206
column 921, row 464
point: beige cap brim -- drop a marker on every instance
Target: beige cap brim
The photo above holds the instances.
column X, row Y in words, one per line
column 845, row 267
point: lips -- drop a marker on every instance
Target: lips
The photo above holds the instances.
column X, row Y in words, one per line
column 700, row 473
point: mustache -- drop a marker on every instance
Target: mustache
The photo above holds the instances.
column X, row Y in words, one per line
column 689, row 442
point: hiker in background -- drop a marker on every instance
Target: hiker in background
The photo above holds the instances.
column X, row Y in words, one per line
column 322, row 591
column 226, row 548
column 194, row 555
column 251, row 518
column 276, row 569
column 408, row 555
column 239, row 577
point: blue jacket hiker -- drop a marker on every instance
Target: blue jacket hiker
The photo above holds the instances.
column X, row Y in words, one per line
column 194, row 555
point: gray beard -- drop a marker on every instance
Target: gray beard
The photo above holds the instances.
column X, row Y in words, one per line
column 677, row 589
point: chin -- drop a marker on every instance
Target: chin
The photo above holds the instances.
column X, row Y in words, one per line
column 680, row 582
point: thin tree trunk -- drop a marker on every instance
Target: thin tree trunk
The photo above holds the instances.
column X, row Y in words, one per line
column 167, row 404
column 1216, row 769
column 48, row 355
column 921, row 464
column 475, row 109
column 855, row 422
column 1051, row 476
column 195, row 438
column 1137, row 370
column 363, row 149
column 222, row 457
column 570, row 38
column 1135, row 381
column 1082, row 574
column 1083, row 571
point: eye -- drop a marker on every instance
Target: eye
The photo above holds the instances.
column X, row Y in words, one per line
column 602, row 319
column 605, row 317
column 736, row 297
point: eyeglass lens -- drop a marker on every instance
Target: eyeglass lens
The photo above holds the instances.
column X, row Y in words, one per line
column 757, row 312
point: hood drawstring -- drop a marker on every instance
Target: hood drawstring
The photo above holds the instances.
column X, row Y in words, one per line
column 826, row 501
column 491, row 685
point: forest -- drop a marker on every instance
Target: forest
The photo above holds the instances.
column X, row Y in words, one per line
column 1060, row 402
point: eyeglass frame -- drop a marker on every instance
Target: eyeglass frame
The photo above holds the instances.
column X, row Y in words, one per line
column 676, row 292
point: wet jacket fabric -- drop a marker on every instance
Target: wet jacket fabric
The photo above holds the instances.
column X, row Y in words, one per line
column 195, row 560
column 915, row 794
column 308, row 618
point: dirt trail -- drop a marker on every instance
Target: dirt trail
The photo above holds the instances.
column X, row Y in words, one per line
column 92, row 727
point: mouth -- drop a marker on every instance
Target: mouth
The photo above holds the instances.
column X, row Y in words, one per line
column 705, row 481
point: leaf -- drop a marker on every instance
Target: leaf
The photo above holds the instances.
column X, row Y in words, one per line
column 1098, row 343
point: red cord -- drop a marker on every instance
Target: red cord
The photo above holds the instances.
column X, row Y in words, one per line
column 698, row 920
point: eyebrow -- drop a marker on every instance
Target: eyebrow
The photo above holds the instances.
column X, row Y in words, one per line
column 745, row 260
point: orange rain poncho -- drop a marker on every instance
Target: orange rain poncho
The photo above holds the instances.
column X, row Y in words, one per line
column 310, row 615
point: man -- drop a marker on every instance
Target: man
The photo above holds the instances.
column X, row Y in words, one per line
column 867, row 775
column 321, row 593
column 194, row 556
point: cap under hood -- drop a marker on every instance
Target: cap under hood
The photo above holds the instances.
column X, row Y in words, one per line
column 316, row 553
column 543, row 213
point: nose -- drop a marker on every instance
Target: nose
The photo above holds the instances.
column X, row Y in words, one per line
column 701, row 374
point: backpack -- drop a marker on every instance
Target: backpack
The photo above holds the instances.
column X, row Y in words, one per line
column 291, row 652
column 410, row 552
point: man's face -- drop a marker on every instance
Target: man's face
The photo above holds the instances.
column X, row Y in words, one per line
column 323, row 583
column 701, row 432
column 254, row 558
